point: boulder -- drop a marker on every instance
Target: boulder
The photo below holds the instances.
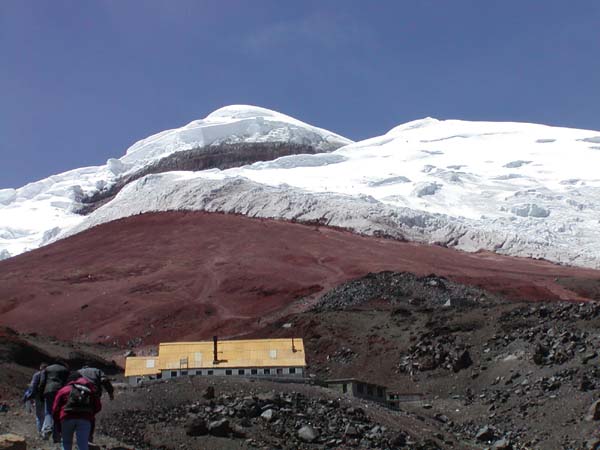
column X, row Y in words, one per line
column 486, row 434
column 219, row 428
column 12, row 441
column 593, row 412
column 351, row 431
column 308, row 433
column 399, row 440
column 209, row 393
column 462, row 362
column 238, row 431
column 593, row 444
column 502, row 444
column 268, row 397
column 268, row 415
column 196, row 426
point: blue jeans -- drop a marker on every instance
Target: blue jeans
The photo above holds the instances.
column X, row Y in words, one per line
column 40, row 413
column 81, row 428
column 48, row 426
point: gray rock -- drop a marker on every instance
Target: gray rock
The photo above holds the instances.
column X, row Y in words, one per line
column 351, row 431
column 502, row 444
column 268, row 397
column 209, row 393
column 196, row 426
column 399, row 440
column 515, row 164
column 486, row 434
column 593, row 412
column 530, row 210
column 268, row 415
column 219, row 428
column 423, row 189
column 308, row 434
column 462, row 362
column 591, row 140
column 593, row 444
column 238, row 431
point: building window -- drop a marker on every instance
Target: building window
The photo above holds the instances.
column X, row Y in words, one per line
column 228, row 372
column 344, row 388
column 369, row 389
column 254, row 371
column 360, row 388
column 173, row 373
column 292, row 370
column 273, row 354
column 184, row 372
column 279, row 371
column 198, row 372
column 267, row 371
column 379, row 392
column 138, row 380
column 209, row 372
column 241, row 372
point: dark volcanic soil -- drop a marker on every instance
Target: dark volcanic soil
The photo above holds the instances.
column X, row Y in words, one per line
column 528, row 370
column 176, row 275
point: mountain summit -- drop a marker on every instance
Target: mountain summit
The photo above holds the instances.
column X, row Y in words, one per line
column 514, row 188
column 36, row 213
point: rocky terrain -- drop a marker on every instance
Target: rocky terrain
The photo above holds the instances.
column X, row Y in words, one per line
column 472, row 370
column 238, row 413
column 488, row 370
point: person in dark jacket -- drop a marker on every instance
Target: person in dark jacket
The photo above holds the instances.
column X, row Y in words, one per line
column 100, row 381
column 53, row 378
column 75, row 420
column 37, row 396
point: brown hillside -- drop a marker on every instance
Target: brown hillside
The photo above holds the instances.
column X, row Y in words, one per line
column 183, row 275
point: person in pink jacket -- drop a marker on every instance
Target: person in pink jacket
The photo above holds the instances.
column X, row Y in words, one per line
column 74, row 410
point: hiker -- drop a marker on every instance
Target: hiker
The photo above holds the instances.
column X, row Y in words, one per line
column 74, row 409
column 52, row 379
column 36, row 395
column 100, row 382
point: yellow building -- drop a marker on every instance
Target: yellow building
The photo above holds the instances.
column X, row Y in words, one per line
column 251, row 357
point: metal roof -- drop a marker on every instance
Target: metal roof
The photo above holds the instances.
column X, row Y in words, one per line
column 231, row 354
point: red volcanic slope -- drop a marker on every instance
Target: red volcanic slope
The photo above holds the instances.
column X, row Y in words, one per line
column 188, row 275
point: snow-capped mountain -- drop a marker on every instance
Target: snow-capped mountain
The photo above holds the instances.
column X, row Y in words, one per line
column 519, row 189
column 36, row 213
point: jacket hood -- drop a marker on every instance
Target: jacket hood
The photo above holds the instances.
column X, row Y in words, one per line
column 84, row 381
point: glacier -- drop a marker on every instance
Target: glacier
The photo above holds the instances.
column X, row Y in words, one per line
column 41, row 210
column 513, row 188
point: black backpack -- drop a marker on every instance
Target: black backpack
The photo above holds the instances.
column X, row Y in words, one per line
column 80, row 399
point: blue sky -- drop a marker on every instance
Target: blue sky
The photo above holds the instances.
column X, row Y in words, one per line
column 80, row 81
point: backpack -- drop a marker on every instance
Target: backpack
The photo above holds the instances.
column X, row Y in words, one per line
column 79, row 399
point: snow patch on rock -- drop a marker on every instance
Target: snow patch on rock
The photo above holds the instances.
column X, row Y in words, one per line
column 530, row 210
